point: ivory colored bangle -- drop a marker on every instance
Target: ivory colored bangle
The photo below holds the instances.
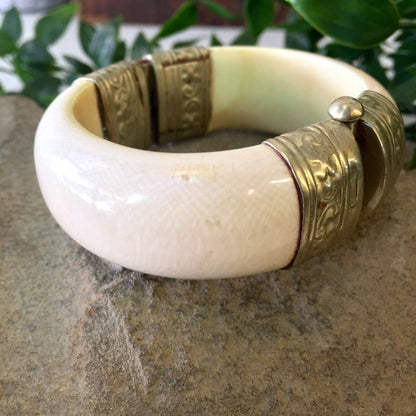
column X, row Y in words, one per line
column 227, row 213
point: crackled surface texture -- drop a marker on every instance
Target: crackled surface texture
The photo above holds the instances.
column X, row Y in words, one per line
column 82, row 337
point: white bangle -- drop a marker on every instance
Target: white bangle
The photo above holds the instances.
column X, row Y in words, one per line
column 217, row 214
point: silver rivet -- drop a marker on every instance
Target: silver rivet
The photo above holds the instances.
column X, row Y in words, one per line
column 346, row 109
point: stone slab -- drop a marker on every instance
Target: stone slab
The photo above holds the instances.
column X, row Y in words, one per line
column 80, row 336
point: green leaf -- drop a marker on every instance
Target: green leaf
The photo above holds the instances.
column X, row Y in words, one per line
column 405, row 55
column 7, row 43
column 299, row 25
column 54, row 23
column 32, row 60
column 214, row 41
column 303, row 41
column 2, row 92
column 85, row 34
column 371, row 65
column 183, row 18
column 402, row 59
column 406, row 35
column 407, row 8
column 404, row 87
column 43, row 89
column 22, row 70
column 78, row 66
column 102, row 46
column 219, row 10
column 33, row 52
column 411, row 68
column 185, row 43
column 335, row 50
column 140, row 47
column 353, row 23
column 12, row 24
column 244, row 38
column 408, row 47
column 258, row 14
column 120, row 52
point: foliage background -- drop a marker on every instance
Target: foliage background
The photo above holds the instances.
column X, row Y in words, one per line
column 378, row 36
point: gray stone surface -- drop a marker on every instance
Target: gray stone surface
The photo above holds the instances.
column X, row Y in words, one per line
column 79, row 336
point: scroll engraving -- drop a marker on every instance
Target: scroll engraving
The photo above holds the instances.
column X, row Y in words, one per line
column 183, row 77
column 124, row 96
column 182, row 97
column 326, row 164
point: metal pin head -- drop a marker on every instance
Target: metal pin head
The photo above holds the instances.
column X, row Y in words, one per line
column 346, row 109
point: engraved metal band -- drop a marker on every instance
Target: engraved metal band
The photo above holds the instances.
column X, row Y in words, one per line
column 183, row 91
column 326, row 164
column 380, row 135
column 162, row 98
column 124, row 97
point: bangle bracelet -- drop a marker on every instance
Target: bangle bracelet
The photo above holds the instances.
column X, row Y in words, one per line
column 226, row 213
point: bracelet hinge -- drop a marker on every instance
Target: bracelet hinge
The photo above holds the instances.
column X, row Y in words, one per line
column 342, row 168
